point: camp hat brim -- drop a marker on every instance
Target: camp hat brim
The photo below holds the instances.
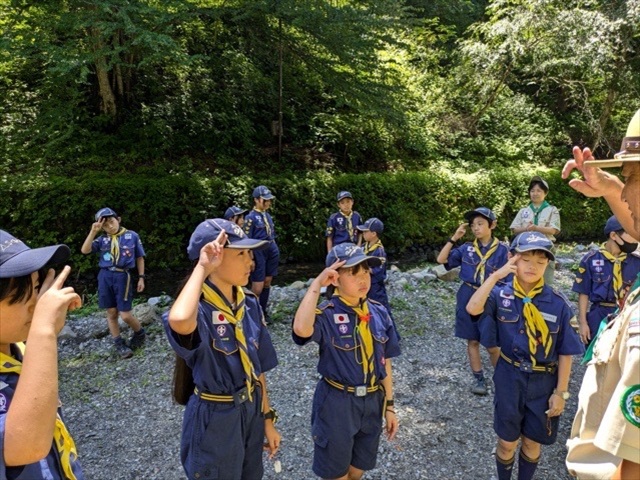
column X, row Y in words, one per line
column 357, row 260
column 470, row 215
column 603, row 163
column 248, row 243
column 362, row 228
column 33, row 259
column 528, row 248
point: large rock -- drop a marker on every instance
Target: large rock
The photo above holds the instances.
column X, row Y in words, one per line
column 145, row 313
column 298, row 285
column 444, row 275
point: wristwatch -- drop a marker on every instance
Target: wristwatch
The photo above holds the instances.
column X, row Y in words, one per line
column 563, row 395
column 272, row 415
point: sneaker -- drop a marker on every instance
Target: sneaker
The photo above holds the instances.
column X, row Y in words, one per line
column 122, row 349
column 137, row 339
column 480, row 388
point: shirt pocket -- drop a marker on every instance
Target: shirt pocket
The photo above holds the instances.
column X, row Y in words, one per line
column 509, row 318
column 227, row 347
column 345, row 344
column 600, row 283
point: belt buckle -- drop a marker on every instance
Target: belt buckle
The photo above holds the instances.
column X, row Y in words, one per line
column 360, row 390
column 241, row 396
column 526, row 367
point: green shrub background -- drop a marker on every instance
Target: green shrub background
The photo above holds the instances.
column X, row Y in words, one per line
column 417, row 208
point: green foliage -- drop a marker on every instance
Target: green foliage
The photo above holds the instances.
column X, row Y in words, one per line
column 416, row 207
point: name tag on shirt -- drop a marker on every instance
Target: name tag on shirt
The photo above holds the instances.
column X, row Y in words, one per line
column 549, row 318
column 340, row 318
column 218, row 318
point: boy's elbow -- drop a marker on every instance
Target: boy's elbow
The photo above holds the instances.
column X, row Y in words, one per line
column 301, row 330
column 29, row 453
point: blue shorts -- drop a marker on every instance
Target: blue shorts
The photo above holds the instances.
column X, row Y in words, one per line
column 520, row 402
column 595, row 316
column 115, row 290
column 346, row 430
column 266, row 263
column 467, row 328
column 222, row 441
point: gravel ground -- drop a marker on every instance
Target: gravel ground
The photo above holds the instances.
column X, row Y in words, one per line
column 126, row 426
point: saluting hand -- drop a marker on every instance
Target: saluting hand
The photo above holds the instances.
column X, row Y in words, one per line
column 596, row 183
column 330, row 274
column 212, row 253
column 460, row 231
column 97, row 226
column 507, row 268
column 54, row 300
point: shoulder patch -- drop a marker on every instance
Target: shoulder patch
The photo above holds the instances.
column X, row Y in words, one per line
column 324, row 305
column 630, row 405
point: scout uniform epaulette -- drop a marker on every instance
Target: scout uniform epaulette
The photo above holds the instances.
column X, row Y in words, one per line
column 248, row 291
column 563, row 297
column 323, row 306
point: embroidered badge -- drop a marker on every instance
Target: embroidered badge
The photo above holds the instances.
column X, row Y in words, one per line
column 127, row 236
column 470, row 249
column 582, row 269
column 340, row 318
column 549, row 318
column 506, row 295
column 525, row 214
column 218, row 318
column 506, row 303
column 3, row 403
column 578, row 280
column 221, row 329
column 630, row 405
column 597, row 262
column 343, row 328
column 598, row 269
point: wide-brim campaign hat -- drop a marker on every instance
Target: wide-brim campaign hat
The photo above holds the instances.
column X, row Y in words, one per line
column 482, row 211
column 18, row 260
column 528, row 241
column 371, row 225
column 629, row 150
column 352, row 256
column 209, row 230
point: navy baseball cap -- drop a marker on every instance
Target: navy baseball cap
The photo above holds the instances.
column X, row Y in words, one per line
column 233, row 211
column 527, row 241
column 209, row 230
column 482, row 211
column 538, row 179
column 344, row 194
column 263, row 192
column 18, row 260
column 612, row 225
column 352, row 254
column 372, row 224
column 105, row 212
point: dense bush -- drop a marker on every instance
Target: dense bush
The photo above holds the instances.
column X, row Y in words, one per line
column 416, row 207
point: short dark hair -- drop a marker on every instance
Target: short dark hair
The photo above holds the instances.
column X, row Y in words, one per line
column 539, row 184
column 19, row 289
column 355, row 269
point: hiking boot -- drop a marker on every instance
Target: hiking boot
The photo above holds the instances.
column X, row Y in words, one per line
column 480, row 388
column 137, row 339
column 121, row 348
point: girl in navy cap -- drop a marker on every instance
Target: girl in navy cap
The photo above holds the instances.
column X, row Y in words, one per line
column 223, row 351
column 477, row 260
column 532, row 323
column 34, row 441
column 235, row 214
column 604, row 278
column 357, row 340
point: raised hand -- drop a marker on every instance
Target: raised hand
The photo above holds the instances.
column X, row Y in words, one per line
column 460, row 231
column 54, row 300
column 507, row 268
column 330, row 274
column 212, row 253
column 596, row 183
column 97, row 226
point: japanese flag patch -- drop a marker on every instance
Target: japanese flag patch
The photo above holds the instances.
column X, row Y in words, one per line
column 630, row 405
column 340, row 318
column 597, row 262
column 218, row 318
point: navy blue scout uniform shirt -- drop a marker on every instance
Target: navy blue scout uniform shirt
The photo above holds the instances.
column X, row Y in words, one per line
column 259, row 225
column 214, row 358
column 595, row 276
column 340, row 356
column 130, row 249
column 338, row 228
column 378, row 274
column 468, row 260
column 504, row 313
column 47, row 469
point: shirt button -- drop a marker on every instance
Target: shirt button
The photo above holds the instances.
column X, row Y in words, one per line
column 521, row 331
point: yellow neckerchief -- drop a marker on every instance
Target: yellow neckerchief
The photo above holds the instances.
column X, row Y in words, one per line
column 534, row 322
column 618, row 284
column 61, row 436
column 366, row 339
column 264, row 218
column 348, row 217
column 370, row 247
column 115, row 246
column 215, row 299
column 478, row 276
